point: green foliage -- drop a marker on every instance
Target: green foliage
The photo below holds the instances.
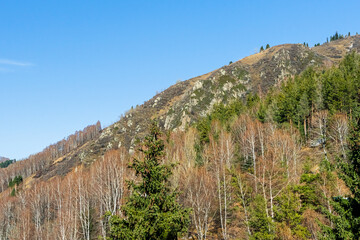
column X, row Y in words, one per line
column 261, row 224
column 220, row 112
column 16, row 181
column 225, row 113
column 267, row 46
column 308, row 190
column 343, row 221
column 13, row 192
column 241, row 73
column 151, row 211
column 251, row 100
column 261, row 113
column 203, row 126
column 336, row 90
column 341, row 85
column 288, row 213
column 6, row 163
column 347, row 220
column 296, row 97
column 199, row 161
column 336, row 36
column 225, row 79
column 261, row 48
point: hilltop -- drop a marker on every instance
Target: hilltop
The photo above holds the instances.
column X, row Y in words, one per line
column 183, row 103
column 254, row 143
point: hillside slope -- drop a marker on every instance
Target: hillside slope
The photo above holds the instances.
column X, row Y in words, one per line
column 184, row 102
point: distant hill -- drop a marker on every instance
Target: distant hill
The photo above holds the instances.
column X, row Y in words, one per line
column 3, row 159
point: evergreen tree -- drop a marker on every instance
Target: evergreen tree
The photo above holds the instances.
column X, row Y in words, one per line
column 16, row 181
column 288, row 214
column 6, row 163
column 151, row 211
column 261, row 225
column 267, row 46
column 308, row 190
column 261, row 49
column 261, row 113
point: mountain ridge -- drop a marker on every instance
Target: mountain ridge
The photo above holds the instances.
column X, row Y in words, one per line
column 184, row 102
column 253, row 143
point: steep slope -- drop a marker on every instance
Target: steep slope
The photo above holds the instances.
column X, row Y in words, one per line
column 184, row 102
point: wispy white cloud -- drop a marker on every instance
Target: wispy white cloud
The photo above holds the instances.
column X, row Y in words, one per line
column 15, row 63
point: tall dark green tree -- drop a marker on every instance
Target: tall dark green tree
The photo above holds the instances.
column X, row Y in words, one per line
column 151, row 211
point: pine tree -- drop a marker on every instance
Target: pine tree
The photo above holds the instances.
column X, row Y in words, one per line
column 261, row 49
column 267, row 46
column 151, row 211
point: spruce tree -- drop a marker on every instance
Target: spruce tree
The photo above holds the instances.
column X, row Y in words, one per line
column 151, row 211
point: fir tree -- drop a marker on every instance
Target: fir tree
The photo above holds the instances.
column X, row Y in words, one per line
column 151, row 211
column 261, row 48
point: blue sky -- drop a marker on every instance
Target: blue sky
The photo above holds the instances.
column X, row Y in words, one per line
column 66, row 64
